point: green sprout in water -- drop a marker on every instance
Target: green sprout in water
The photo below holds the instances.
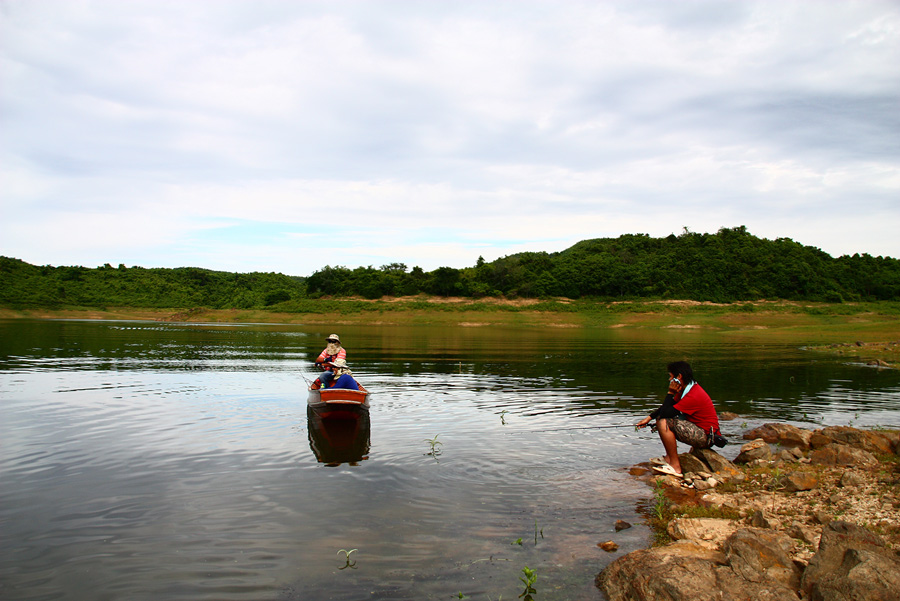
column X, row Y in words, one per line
column 503, row 419
column 435, row 443
column 528, row 580
column 349, row 564
column 518, row 541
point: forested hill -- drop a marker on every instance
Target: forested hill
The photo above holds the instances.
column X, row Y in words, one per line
column 730, row 265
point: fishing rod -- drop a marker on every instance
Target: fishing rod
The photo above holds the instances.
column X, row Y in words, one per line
column 578, row 428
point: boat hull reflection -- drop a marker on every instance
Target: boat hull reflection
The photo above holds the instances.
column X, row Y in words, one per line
column 339, row 439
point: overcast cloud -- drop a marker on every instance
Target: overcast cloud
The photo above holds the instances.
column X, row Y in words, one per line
column 286, row 135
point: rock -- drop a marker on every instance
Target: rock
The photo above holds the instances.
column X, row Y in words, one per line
column 797, row 481
column 727, row 416
column 759, row 519
column 785, row 435
column 683, row 571
column 690, row 463
column 707, row 484
column 841, row 454
column 785, row 455
column 850, row 479
column 702, row 530
column 821, row 517
column 608, row 546
column 867, row 440
column 818, row 440
column 716, row 463
column 761, row 555
column 756, row 450
column 804, row 533
column 622, row 525
column 851, row 563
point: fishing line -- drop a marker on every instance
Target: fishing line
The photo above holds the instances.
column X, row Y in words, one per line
column 579, row 428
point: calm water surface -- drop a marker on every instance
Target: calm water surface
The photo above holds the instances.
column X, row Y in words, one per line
column 161, row 461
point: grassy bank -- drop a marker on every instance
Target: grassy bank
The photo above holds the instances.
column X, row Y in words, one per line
column 871, row 323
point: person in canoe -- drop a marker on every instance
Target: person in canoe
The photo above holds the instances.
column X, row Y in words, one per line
column 341, row 377
column 687, row 415
column 333, row 350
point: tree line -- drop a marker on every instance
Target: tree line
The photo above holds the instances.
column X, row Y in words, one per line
column 727, row 266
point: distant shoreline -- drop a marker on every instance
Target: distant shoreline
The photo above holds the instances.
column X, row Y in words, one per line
column 811, row 323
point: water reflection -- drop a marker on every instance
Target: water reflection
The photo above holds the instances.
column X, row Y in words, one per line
column 339, row 439
column 147, row 461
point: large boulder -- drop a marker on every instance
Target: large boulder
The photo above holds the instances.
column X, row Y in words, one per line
column 753, row 450
column 785, row 435
column 762, row 555
column 705, row 531
column 841, row 454
column 867, row 440
column 690, row 463
column 852, row 564
column 683, row 571
column 717, row 464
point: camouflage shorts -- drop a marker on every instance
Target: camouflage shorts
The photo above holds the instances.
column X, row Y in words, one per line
column 688, row 433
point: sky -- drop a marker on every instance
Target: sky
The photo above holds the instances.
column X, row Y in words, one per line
column 284, row 136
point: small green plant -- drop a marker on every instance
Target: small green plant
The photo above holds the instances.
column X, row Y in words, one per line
column 518, row 541
column 661, row 504
column 459, row 595
column 744, row 425
column 777, row 478
column 528, row 580
column 435, row 444
column 349, row 563
column 503, row 419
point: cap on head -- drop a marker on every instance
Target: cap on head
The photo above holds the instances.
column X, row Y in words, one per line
column 333, row 338
column 339, row 363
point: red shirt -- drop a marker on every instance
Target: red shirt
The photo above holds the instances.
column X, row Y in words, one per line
column 697, row 405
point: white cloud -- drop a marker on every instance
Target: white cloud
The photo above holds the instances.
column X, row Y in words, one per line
column 161, row 133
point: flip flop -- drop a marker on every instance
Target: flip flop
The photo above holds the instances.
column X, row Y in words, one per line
column 658, row 461
column 666, row 469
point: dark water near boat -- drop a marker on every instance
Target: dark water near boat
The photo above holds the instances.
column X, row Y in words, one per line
column 160, row 461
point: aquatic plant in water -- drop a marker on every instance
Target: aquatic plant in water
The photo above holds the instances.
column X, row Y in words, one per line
column 348, row 564
column 528, row 580
column 435, row 443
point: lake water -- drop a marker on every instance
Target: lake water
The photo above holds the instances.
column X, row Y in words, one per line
column 143, row 460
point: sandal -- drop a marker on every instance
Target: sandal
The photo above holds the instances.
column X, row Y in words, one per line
column 658, row 461
column 666, row 469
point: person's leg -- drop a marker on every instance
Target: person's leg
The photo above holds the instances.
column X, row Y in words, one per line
column 670, row 443
column 326, row 378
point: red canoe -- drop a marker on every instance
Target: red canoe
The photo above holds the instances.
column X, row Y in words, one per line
column 338, row 402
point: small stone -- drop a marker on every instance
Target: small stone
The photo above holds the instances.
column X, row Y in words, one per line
column 608, row 546
column 804, row 533
column 702, row 485
column 850, row 479
column 821, row 517
column 622, row 525
column 760, row 520
column 797, row 481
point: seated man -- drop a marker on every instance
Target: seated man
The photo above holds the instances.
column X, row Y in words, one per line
column 687, row 415
column 339, row 376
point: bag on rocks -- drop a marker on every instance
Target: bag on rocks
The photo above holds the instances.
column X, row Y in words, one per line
column 715, row 439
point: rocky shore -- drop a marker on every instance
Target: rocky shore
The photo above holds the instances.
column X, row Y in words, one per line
column 798, row 514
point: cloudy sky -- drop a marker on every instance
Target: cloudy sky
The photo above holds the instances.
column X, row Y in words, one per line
column 278, row 135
